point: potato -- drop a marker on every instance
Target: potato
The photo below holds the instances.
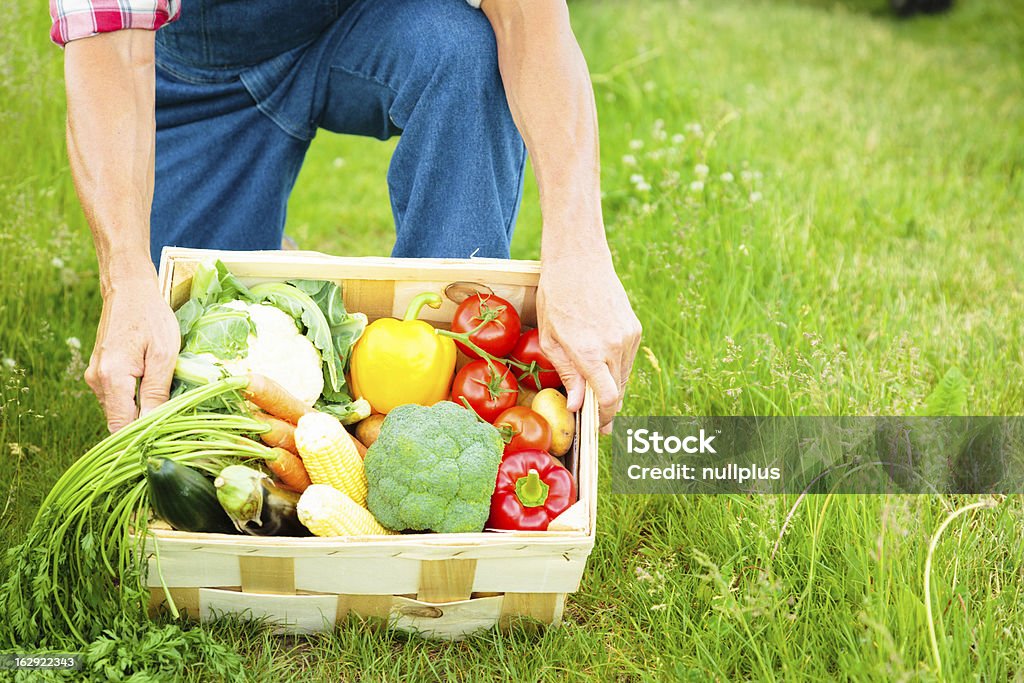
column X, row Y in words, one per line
column 368, row 429
column 526, row 396
column 550, row 404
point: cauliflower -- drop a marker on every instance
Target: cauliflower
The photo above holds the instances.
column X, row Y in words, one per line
column 278, row 350
column 297, row 333
column 433, row 468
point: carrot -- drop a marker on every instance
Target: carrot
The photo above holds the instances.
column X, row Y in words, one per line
column 281, row 434
column 289, row 470
column 274, row 399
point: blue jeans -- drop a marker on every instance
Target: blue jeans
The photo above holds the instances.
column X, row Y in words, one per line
column 242, row 88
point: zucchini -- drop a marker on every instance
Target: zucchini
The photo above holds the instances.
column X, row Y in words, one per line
column 256, row 505
column 184, row 498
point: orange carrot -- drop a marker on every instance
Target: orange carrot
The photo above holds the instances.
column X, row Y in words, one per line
column 281, row 434
column 274, row 399
column 288, row 468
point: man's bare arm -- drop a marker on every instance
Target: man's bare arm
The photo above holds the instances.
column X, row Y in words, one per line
column 588, row 328
column 111, row 137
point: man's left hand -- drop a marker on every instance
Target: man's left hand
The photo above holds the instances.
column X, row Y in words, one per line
column 588, row 329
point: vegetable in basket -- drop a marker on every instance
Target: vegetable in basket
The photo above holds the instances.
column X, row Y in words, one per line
column 491, row 322
column 551, row 405
column 255, row 505
column 433, row 468
column 185, row 498
column 486, row 387
column 330, row 455
column 297, row 333
column 524, row 430
column 533, row 488
column 540, row 372
column 326, row 511
column 403, row 361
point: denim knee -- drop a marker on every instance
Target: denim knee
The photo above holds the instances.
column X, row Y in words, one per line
column 456, row 54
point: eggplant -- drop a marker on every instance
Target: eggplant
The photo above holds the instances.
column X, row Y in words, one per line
column 255, row 505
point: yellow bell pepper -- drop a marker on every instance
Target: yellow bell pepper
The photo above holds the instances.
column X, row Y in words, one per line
column 403, row 361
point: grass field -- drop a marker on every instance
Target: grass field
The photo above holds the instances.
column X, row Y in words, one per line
column 815, row 209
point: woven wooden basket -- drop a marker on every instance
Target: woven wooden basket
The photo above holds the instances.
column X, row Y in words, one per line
column 437, row 585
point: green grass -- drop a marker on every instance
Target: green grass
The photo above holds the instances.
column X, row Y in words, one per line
column 884, row 247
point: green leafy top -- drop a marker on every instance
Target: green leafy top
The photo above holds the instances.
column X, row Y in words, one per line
column 208, row 326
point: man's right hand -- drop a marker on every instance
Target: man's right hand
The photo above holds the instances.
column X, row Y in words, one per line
column 137, row 339
column 110, row 81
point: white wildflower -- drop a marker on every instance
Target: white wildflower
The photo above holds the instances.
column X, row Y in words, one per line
column 746, row 176
column 755, row 197
column 697, row 186
column 727, row 177
column 74, row 343
column 643, row 187
column 636, row 178
column 701, row 171
column 629, row 160
column 678, row 139
column 744, row 250
column 658, row 608
column 10, row 363
column 57, row 262
column 636, row 145
column 338, row 162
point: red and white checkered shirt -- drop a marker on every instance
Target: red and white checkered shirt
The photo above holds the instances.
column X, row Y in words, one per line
column 74, row 19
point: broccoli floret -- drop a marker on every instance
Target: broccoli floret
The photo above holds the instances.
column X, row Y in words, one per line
column 433, row 469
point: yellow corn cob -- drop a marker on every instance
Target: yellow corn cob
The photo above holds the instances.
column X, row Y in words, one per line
column 330, row 456
column 326, row 511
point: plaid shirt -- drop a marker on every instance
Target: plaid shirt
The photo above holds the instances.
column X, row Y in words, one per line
column 74, row 19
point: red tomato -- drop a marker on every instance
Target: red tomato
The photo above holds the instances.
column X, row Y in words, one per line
column 488, row 391
column 526, row 430
column 527, row 352
column 501, row 324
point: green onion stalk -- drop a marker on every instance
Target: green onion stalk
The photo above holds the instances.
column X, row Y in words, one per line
column 79, row 573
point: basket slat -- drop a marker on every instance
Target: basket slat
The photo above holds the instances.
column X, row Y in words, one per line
column 267, row 574
column 451, row 621
column 446, row 580
column 291, row 613
column 357, row 575
column 544, row 607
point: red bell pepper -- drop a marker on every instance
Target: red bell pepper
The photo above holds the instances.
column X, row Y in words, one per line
column 533, row 488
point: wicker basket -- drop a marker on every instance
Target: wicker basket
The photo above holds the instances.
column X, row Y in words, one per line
column 437, row 585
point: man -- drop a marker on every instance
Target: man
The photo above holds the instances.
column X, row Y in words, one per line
column 194, row 134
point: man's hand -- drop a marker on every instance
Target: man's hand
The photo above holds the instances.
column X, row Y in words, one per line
column 137, row 339
column 588, row 330
column 110, row 83
column 587, row 327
